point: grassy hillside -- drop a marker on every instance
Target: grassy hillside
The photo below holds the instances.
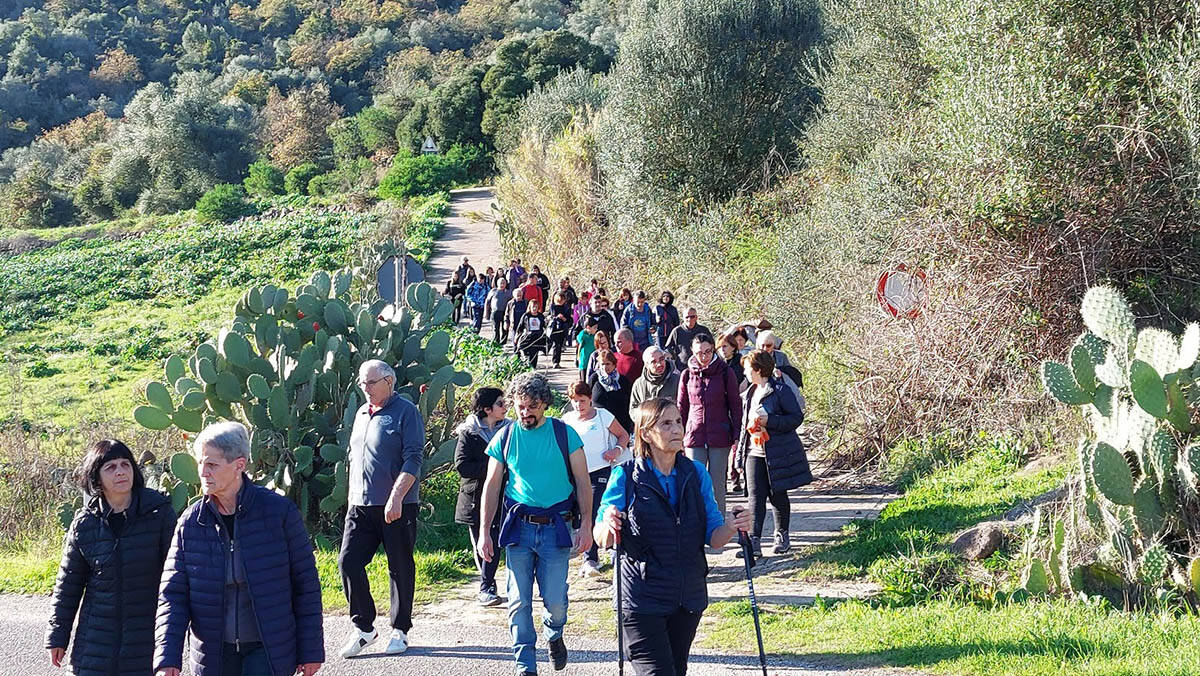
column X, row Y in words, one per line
column 87, row 321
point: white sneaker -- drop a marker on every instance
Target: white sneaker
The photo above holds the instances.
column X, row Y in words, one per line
column 357, row 641
column 398, row 644
column 589, row 569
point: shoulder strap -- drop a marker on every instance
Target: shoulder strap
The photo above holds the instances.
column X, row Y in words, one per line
column 560, row 435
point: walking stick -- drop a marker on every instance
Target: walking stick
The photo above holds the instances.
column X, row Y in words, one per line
column 620, row 604
column 748, row 558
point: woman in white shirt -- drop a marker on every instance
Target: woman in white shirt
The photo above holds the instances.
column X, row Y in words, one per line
column 605, row 445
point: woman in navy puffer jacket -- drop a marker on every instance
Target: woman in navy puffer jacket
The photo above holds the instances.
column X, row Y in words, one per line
column 240, row 573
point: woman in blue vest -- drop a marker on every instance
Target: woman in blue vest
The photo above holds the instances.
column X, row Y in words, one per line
column 660, row 506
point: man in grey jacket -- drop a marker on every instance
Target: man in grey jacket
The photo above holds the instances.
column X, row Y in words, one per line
column 659, row 378
column 385, row 465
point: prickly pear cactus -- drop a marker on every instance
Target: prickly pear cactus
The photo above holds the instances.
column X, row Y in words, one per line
column 1138, row 476
column 287, row 367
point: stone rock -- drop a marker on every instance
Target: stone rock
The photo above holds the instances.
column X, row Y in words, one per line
column 980, row 541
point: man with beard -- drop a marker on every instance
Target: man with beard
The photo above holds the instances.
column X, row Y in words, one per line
column 547, row 494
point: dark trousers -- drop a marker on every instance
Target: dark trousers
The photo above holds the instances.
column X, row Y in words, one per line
column 246, row 659
column 487, row 569
column 499, row 334
column 599, row 483
column 477, row 315
column 365, row 531
column 557, row 340
column 458, row 307
column 758, row 485
column 658, row 645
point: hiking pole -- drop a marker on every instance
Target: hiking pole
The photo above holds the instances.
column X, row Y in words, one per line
column 748, row 558
column 617, row 584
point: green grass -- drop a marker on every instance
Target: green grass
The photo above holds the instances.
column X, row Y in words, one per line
column 987, row 483
column 1038, row 638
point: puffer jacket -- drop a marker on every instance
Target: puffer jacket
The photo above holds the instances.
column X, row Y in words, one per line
column 281, row 576
column 787, row 462
column 471, row 463
column 710, row 405
column 117, row 580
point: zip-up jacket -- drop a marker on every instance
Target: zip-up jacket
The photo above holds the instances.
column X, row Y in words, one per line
column 280, row 574
column 663, row 567
column 116, row 577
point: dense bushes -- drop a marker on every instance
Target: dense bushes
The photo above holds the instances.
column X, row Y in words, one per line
column 1016, row 151
column 427, row 173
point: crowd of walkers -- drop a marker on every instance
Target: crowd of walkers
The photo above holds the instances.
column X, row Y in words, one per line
column 665, row 418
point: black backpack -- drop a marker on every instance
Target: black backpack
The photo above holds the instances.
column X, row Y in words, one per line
column 560, row 435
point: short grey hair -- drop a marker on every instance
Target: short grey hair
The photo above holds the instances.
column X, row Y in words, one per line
column 652, row 352
column 762, row 337
column 624, row 331
column 530, row 385
column 379, row 366
column 229, row 437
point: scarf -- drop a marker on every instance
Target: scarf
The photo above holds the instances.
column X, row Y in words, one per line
column 609, row 381
column 659, row 379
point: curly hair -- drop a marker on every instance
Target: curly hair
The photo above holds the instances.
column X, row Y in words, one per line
column 531, row 385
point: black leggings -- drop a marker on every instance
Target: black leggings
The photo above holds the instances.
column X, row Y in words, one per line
column 758, row 485
column 557, row 340
column 658, row 645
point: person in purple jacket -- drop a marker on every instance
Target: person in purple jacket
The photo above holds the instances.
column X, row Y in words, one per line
column 711, row 407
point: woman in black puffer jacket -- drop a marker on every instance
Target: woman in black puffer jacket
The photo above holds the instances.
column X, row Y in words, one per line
column 471, row 462
column 112, row 561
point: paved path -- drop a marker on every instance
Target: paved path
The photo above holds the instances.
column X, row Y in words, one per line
column 464, row 235
column 441, row 647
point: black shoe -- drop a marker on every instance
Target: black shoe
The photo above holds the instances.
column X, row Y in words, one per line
column 558, row 654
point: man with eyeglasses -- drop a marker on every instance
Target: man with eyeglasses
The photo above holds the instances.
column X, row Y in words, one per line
column 385, row 465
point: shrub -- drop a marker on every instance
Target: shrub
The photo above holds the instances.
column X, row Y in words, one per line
column 325, row 184
column 264, row 180
column 421, row 175
column 296, row 180
column 223, row 203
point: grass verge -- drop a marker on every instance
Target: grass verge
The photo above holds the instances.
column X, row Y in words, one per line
column 1038, row 638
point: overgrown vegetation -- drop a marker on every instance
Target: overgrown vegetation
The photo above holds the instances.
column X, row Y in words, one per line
column 109, row 108
column 1017, row 152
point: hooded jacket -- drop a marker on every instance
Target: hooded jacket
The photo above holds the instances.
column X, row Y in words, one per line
column 650, row 386
column 709, row 403
column 471, row 463
column 787, row 462
column 116, row 577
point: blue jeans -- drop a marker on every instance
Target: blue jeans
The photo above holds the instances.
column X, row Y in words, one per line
column 537, row 557
column 251, row 661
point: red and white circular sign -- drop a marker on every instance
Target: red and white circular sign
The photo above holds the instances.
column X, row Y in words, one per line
column 901, row 291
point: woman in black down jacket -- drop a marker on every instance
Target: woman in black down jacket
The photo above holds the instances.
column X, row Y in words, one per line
column 112, row 560
column 487, row 418
column 777, row 464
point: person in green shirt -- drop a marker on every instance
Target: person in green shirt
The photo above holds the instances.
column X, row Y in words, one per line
column 587, row 345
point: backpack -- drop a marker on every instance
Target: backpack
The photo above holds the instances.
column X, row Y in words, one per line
column 560, row 435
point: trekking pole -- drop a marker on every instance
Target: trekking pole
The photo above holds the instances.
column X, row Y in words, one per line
column 620, row 604
column 748, row 558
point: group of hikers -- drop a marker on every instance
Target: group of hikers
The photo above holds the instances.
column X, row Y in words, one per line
column 641, row 463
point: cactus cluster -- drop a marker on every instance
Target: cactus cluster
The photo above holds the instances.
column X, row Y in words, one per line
column 1138, row 468
column 287, row 367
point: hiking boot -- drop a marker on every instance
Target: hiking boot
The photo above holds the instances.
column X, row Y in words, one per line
column 358, row 640
column 783, row 542
column 558, row 654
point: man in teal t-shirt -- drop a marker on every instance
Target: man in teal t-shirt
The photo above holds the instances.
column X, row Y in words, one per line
column 538, row 513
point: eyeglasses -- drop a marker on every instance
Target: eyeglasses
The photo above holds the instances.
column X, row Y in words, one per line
column 368, row 383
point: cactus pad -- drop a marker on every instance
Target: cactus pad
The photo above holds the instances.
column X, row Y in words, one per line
column 1157, row 348
column 1111, row 474
column 1154, row 565
column 1146, row 386
column 1107, row 315
column 1060, row 383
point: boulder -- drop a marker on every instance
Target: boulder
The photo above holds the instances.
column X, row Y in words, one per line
column 980, row 541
